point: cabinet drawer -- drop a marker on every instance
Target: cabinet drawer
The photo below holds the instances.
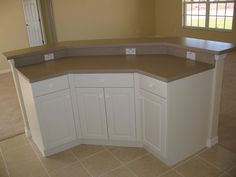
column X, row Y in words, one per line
column 50, row 85
column 104, row 80
column 153, row 85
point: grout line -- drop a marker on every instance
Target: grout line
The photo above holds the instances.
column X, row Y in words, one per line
column 231, row 168
column 209, row 163
column 85, row 158
column 176, row 171
column 18, row 147
column 183, row 162
column 203, row 150
column 109, row 171
column 38, row 157
column 227, row 171
column 131, row 171
column 68, row 165
column 218, row 168
column 121, row 163
column 82, row 164
column 125, row 164
column 5, row 163
column 224, row 174
column 140, row 157
column 164, row 173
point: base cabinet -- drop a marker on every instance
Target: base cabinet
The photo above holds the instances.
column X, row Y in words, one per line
column 92, row 115
column 153, row 112
column 56, row 118
column 106, row 113
column 120, row 113
column 50, row 113
column 171, row 118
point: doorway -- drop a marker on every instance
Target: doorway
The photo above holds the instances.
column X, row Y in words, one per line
column 34, row 22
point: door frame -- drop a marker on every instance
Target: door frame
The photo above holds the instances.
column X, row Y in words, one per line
column 39, row 8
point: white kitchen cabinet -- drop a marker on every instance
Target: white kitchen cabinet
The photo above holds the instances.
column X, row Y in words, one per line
column 120, row 113
column 153, row 112
column 91, row 107
column 106, row 107
column 175, row 115
column 50, row 113
column 170, row 120
column 56, row 118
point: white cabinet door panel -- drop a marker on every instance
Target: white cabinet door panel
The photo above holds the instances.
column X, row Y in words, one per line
column 91, row 106
column 154, row 117
column 56, row 118
column 120, row 113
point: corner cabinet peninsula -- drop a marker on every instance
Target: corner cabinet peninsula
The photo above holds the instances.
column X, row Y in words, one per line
column 124, row 92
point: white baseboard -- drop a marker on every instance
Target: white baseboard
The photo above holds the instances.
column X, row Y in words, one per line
column 213, row 141
column 4, row 71
column 28, row 133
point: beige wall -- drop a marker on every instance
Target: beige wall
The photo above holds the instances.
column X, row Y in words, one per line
column 169, row 23
column 92, row 19
column 12, row 30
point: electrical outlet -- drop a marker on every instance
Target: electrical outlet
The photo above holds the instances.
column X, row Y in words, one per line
column 191, row 55
column 49, row 56
column 130, row 51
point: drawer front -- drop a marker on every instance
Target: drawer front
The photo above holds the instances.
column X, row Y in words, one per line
column 50, row 85
column 153, row 85
column 104, row 80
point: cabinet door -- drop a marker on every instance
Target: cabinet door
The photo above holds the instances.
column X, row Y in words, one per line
column 154, row 118
column 56, row 118
column 120, row 113
column 92, row 115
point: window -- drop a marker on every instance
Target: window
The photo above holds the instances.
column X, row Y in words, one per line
column 210, row 14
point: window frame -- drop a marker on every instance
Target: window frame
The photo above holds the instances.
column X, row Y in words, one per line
column 207, row 16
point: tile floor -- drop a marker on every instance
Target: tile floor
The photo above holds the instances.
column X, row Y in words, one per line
column 11, row 122
column 19, row 157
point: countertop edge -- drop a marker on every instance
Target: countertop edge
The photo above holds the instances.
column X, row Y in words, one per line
column 117, row 71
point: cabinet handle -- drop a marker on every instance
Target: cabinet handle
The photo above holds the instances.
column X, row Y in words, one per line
column 108, row 96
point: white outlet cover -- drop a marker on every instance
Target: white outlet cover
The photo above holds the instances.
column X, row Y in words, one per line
column 130, row 51
column 191, row 55
column 49, row 56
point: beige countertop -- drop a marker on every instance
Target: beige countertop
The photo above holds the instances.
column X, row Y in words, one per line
column 163, row 67
column 207, row 46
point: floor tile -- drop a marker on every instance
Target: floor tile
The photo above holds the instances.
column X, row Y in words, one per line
column 196, row 167
column 120, row 172
column 101, row 163
column 35, row 148
column 126, row 154
column 23, row 162
column 13, row 143
column 224, row 175
column 74, row 170
column 221, row 157
column 58, row 160
column 84, row 151
column 148, row 166
column 232, row 171
column 171, row 173
column 3, row 172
